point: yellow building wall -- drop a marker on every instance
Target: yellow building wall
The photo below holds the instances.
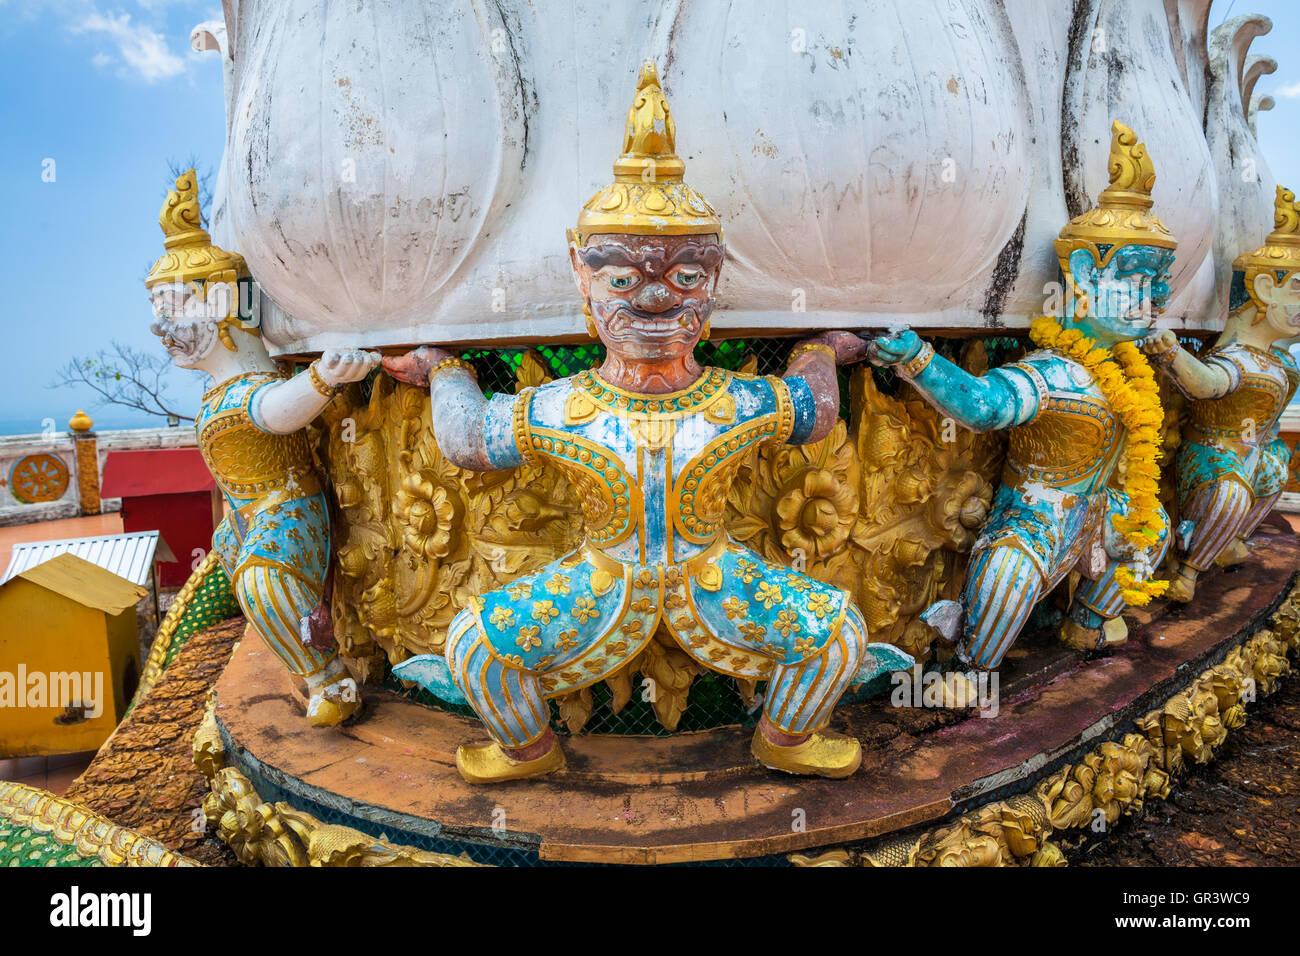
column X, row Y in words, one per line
column 49, row 634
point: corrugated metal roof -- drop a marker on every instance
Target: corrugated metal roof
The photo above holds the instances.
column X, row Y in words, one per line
column 129, row 556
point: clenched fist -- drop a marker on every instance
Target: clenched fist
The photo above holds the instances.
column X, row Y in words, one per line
column 1159, row 342
column 414, row 367
column 340, row 366
column 894, row 348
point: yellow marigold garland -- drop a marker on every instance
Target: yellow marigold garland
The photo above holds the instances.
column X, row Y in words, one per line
column 1128, row 383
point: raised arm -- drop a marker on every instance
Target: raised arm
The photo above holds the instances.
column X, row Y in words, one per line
column 815, row 362
column 1001, row 399
column 285, row 407
column 1191, row 376
column 459, row 408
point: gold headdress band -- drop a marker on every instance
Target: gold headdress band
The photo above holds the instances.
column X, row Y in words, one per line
column 190, row 255
column 1122, row 215
column 648, row 196
column 1280, row 251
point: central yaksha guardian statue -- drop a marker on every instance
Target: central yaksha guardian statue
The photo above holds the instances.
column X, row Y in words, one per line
column 651, row 441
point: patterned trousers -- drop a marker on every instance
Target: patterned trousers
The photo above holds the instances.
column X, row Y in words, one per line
column 513, row 707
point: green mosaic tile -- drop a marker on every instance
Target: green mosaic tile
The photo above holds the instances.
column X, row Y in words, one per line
column 23, row 846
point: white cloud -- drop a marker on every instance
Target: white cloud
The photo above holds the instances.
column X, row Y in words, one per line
column 141, row 48
column 1290, row 92
column 101, row 59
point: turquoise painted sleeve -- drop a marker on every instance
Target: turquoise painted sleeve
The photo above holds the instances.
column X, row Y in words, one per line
column 1001, row 399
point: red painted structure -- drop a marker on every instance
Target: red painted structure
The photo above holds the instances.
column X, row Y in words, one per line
column 171, row 490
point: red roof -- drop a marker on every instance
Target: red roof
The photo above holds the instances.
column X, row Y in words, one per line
column 154, row 471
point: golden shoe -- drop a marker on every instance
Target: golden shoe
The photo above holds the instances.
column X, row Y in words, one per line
column 334, row 703
column 1234, row 553
column 1181, row 588
column 1077, row 637
column 824, row 754
column 488, row 763
column 1114, row 632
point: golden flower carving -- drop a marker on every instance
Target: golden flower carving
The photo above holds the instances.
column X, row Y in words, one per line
column 819, row 604
column 430, row 513
column 735, row 608
column 545, row 611
column 817, row 513
column 584, row 609
column 787, row 622
column 768, row 594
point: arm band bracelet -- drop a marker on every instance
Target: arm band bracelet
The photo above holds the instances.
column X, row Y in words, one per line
column 318, row 383
column 453, row 363
column 799, row 350
column 917, row 363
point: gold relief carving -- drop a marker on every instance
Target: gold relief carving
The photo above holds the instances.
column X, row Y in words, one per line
column 88, row 474
column 884, row 508
column 1112, row 780
column 276, row 834
column 39, row 478
column 73, row 825
column 417, row 537
column 1256, row 400
column 1070, row 439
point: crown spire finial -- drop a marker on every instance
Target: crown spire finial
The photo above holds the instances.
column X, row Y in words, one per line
column 1122, row 215
column 1132, row 174
column 649, row 196
column 190, row 255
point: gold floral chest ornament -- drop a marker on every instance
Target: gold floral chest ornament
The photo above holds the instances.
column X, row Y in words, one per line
column 657, row 438
column 1068, row 441
column 246, row 461
column 1252, row 407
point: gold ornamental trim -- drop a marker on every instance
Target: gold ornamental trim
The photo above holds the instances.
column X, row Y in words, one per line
column 1113, row 780
column 267, row 834
column 73, row 825
column 649, row 196
column 710, row 387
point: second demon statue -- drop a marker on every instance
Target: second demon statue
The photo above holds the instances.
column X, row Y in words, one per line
column 652, row 441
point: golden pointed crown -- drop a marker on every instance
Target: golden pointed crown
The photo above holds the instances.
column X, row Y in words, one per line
column 648, row 196
column 1122, row 215
column 190, row 255
column 1281, row 250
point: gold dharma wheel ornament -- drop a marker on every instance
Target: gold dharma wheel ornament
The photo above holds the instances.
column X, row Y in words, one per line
column 38, row 478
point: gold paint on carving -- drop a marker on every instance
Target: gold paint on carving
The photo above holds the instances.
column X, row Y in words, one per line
column 277, row 834
column 648, row 196
column 884, row 509
column 1070, row 439
column 1122, row 215
column 1112, row 780
column 1280, row 251
column 74, row 825
column 39, row 478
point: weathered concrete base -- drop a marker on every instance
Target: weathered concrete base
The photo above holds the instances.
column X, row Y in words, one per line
column 699, row 797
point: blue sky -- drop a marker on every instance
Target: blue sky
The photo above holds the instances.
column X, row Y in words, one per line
column 112, row 91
